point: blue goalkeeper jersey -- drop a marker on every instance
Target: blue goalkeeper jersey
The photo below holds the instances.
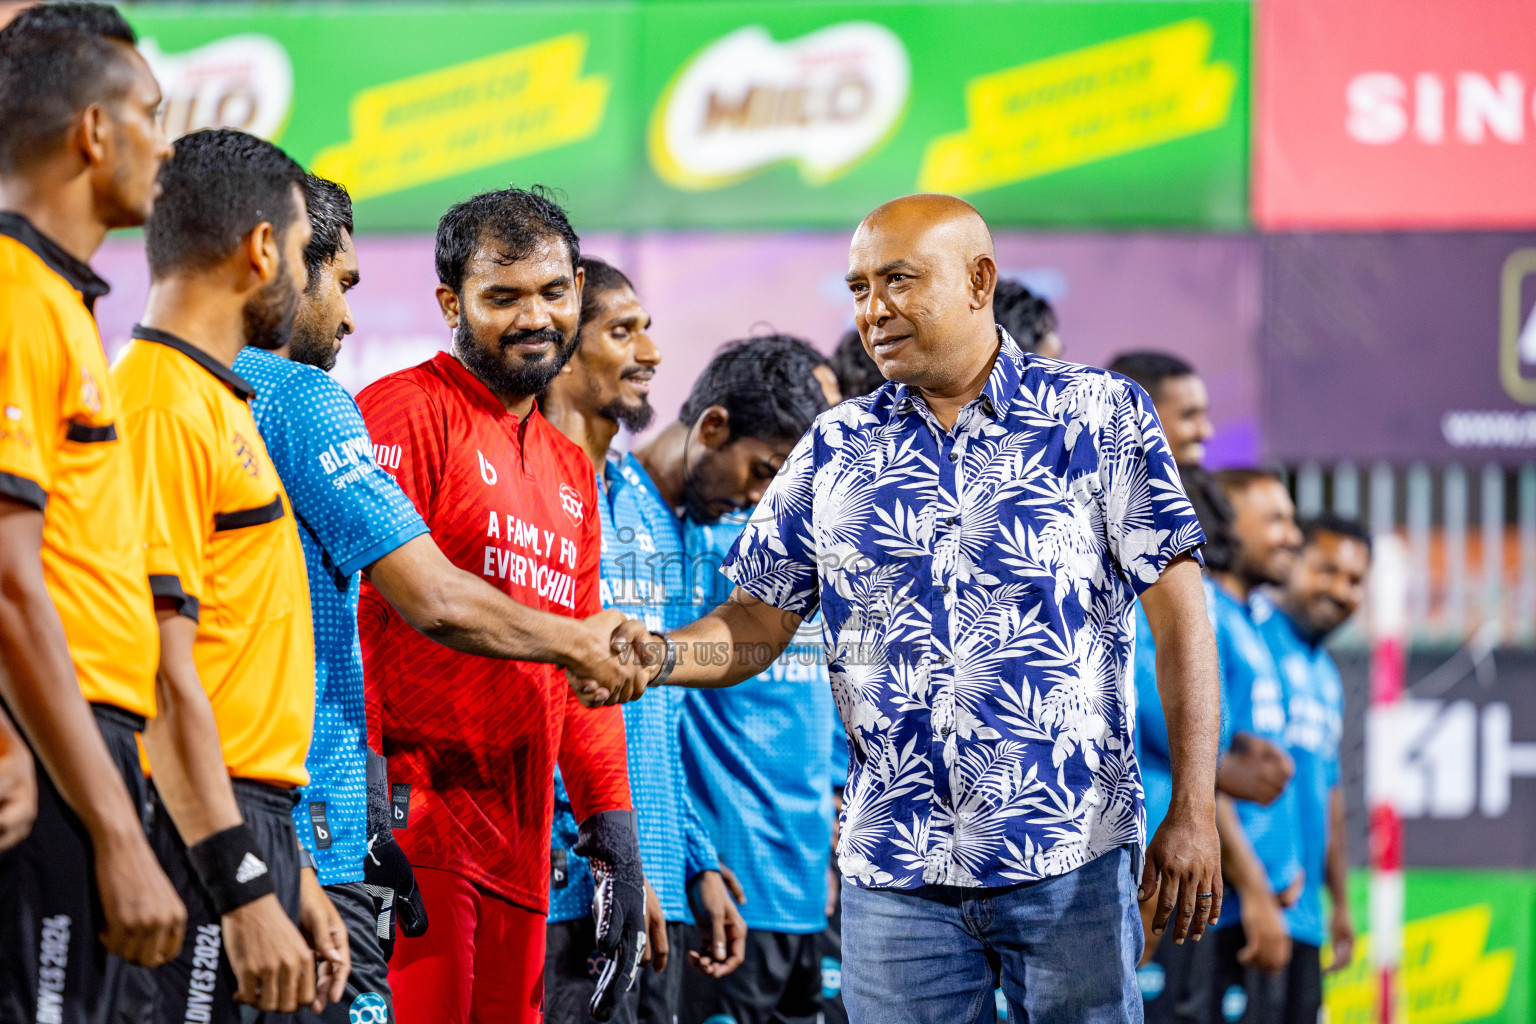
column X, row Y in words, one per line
column 642, row 576
column 350, row 514
column 759, row 760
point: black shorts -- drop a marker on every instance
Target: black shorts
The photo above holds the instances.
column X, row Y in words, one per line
column 779, row 981
column 53, row 967
column 572, row 965
column 367, row 999
column 1178, row 986
column 1251, row 996
column 198, row 987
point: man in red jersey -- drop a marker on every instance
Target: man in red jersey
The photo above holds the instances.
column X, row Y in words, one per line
column 476, row 740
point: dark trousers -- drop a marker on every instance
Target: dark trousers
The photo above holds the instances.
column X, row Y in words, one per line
column 778, row 983
column 572, row 965
column 367, row 999
column 1247, row 995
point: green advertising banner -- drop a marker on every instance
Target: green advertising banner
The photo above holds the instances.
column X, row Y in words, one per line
column 721, row 114
column 1467, row 951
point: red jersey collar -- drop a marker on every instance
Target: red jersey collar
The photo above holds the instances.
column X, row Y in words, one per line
column 449, row 366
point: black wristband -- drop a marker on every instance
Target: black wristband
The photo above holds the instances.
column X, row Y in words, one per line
column 232, row 868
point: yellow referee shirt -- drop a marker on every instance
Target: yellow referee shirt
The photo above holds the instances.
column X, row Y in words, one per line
column 61, row 451
column 224, row 546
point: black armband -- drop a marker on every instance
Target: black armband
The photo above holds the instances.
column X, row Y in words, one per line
column 232, row 868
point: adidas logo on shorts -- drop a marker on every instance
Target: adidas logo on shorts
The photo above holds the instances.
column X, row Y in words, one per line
column 251, row 867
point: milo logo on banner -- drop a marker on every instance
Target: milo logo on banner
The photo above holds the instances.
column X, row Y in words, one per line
column 823, row 101
column 241, row 81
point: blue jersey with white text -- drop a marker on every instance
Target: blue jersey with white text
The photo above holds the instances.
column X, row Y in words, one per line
column 642, row 576
column 1258, row 707
column 350, row 514
column 1314, row 700
column 759, row 761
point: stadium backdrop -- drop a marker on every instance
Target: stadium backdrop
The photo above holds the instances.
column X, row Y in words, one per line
column 1357, row 282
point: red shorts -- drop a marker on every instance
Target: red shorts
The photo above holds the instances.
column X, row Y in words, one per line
column 481, row 960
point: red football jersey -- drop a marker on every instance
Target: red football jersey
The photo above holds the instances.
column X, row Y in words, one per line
column 475, row 738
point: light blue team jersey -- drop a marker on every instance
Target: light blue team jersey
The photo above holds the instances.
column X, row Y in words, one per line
column 350, row 514
column 1314, row 700
column 1258, row 707
column 642, row 576
column 1152, row 728
column 759, row 757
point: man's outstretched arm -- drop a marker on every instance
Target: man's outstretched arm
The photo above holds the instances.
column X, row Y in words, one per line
column 461, row 611
column 737, row 641
column 1184, row 857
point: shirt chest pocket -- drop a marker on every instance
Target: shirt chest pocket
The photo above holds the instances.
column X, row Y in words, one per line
column 248, row 551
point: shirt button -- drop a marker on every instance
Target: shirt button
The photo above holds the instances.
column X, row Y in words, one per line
column 944, row 589
column 946, row 732
column 954, row 456
column 950, row 521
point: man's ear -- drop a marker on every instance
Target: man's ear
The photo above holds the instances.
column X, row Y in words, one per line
column 448, row 302
column 983, row 281
column 714, row 427
column 262, row 254
column 91, row 137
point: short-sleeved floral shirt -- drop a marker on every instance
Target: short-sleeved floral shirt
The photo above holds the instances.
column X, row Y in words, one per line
column 977, row 587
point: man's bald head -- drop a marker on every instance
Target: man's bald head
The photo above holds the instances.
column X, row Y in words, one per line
column 922, row 271
column 954, row 221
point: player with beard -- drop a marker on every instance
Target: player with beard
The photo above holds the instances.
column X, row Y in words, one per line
column 79, row 149
column 236, row 682
column 1321, row 593
column 473, row 743
column 1265, row 543
column 354, row 519
column 606, row 385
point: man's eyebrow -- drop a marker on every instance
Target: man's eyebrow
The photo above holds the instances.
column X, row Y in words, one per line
column 880, row 271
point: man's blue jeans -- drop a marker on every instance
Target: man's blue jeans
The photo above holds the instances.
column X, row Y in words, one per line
column 1068, row 948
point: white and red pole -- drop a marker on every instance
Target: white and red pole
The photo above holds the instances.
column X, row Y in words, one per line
column 1389, row 656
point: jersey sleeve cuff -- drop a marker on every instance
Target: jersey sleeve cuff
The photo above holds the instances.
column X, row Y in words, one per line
column 23, row 490
column 169, row 586
column 363, row 559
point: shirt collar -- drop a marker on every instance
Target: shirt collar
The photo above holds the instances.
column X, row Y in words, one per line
column 462, row 375
column 79, row 275
column 229, row 378
column 1303, row 636
column 998, row 392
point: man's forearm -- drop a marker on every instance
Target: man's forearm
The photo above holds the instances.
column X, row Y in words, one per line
column 40, row 687
column 740, row 639
column 1338, row 851
column 183, row 741
column 1186, row 681
column 1240, row 866
column 461, row 611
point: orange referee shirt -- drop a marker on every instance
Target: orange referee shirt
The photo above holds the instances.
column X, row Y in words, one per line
column 61, row 451
column 223, row 545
